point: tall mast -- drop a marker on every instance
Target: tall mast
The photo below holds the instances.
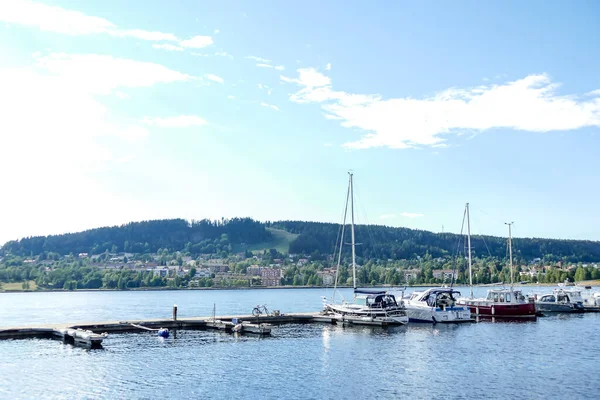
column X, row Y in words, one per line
column 339, row 261
column 352, row 230
column 469, row 251
column 510, row 252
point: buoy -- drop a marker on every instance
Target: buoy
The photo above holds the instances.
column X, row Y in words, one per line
column 163, row 332
column 493, row 310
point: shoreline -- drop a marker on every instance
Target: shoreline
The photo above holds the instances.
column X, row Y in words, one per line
column 584, row 283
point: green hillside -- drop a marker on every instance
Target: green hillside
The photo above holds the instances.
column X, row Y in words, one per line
column 280, row 241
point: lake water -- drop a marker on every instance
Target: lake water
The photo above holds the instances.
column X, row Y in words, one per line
column 553, row 357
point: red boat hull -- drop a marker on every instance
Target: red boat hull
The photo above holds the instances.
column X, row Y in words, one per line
column 499, row 310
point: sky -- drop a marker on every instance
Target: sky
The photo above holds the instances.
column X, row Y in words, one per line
column 114, row 111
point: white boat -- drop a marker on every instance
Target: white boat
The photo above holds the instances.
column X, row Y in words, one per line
column 369, row 307
column 436, row 305
column 561, row 300
column 591, row 300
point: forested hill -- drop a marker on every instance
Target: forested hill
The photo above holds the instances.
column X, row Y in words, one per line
column 197, row 237
column 223, row 236
column 383, row 242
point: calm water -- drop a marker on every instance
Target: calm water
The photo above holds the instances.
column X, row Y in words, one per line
column 554, row 357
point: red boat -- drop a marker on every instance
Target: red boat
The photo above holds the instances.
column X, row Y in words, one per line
column 500, row 303
column 507, row 303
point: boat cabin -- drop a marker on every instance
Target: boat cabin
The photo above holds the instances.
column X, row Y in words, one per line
column 505, row 296
column 375, row 299
column 549, row 298
column 441, row 298
column 568, row 296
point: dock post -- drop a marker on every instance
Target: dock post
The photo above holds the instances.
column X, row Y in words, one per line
column 175, row 312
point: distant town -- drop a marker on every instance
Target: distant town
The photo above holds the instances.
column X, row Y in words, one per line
column 242, row 252
column 125, row 270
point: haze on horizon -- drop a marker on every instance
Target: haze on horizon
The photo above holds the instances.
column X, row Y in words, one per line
column 112, row 113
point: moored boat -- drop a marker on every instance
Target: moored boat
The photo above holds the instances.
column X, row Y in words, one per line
column 369, row 307
column 499, row 303
column 591, row 300
column 560, row 301
column 436, row 305
column 502, row 303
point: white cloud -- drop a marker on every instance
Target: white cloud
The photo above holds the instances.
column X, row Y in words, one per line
column 277, row 67
column 217, row 54
column 310, row 78
column 259, row 59
column 411, row 215
column 52, row 19
column 181, row 121
column 66, row 135
column 328, row 67
column 387, row 216
column 59, row 20
column 216, row 31
column 269, row 106
column 101, row 74
column 167, row 46
column 528, row 104
column 197, row 42
column 214, row 78
column 145, row 35
column 122, row 95
column 230, row 97
column 54, row 114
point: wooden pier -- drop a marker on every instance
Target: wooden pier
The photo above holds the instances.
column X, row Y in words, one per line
column 93, row 333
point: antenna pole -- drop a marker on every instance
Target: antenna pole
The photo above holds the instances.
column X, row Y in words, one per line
column 352, row 229
column 510, row 252
column 469, row 251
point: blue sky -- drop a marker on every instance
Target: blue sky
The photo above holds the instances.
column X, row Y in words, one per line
column 118, row 111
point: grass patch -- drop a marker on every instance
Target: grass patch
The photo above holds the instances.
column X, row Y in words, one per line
column 281, row 242
column 16, row 286
column 589, row 283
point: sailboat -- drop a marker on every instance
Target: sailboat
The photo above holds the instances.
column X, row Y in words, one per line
column 369, row 306
column 499, row 303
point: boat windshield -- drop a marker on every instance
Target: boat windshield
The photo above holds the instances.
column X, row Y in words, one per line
column 381, row 301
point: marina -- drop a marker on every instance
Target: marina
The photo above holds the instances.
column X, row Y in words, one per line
column 305, row 352
column 434, row 306
column 93, row 333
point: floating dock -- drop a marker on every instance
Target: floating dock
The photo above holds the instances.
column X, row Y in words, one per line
column 93, row 333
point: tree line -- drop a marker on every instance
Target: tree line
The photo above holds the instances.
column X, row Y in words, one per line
column 384, row 242
column 198, row 237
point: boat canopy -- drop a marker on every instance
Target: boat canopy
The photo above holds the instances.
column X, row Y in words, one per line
column 370, row 291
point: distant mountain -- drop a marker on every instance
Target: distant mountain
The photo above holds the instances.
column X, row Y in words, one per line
column 238, row 234
column 148, row 236
column 384, row 242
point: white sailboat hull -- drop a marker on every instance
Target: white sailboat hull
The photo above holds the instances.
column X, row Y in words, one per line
column 361, row 315
column 437, row 315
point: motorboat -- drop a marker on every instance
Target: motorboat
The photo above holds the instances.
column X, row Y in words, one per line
column 561, row 300
column 499, row 303
column 436, row 305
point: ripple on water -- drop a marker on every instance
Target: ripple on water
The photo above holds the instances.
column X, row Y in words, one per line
column 554, row 355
